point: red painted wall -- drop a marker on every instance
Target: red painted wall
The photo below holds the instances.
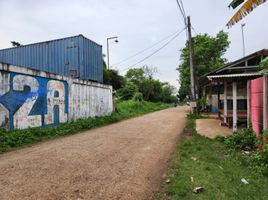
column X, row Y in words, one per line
column 256, row 104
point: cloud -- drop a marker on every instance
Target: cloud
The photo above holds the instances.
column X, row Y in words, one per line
column 138, row 24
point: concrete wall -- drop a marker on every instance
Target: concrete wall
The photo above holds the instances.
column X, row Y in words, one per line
column 30, row 98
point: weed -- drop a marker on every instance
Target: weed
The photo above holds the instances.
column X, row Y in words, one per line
column 244, row 139
column 259, row 162
column 217, row 168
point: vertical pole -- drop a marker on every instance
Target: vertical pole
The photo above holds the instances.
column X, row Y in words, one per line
column 108, row 59
column 265, row 102
column 225, row 102
column 204, row 96
column 243, row 38
column 219, row 100
column 248, row 103
column 234, row 106
column 192, row 69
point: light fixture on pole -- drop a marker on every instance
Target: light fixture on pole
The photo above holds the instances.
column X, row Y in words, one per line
column 108, row 56
column 243, row 38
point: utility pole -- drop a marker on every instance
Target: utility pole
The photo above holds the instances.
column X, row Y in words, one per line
column 192, row 67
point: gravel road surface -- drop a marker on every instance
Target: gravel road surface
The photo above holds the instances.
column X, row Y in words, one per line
column 125, row 160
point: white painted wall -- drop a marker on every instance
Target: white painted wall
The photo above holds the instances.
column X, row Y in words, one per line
column 87, row 99
column 84, row 98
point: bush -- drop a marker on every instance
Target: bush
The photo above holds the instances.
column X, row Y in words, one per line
column 247, row 140
column 128, row 91
column 138, row 97
column 220, row 138
column 242, row 140
column 259, row 162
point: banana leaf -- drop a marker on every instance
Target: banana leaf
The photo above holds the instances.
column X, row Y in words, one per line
column 247, row 8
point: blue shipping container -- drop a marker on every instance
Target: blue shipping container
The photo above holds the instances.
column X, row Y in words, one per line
column 74, row 56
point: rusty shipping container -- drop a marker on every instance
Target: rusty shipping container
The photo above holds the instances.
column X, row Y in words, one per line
column 76, row 57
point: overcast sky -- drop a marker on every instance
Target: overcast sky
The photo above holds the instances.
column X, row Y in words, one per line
column 137, row 23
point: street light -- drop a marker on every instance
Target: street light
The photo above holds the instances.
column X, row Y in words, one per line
column 243, row 38
column 108, row 58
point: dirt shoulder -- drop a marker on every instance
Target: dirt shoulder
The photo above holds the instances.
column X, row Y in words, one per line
column 121, row 161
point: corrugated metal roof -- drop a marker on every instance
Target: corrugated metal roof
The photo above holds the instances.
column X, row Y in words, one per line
column 232, row 67
column 234, row 75
column 263, row 52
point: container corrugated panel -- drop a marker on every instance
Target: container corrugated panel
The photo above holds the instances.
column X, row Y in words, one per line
column 92, row 60
column 74, row 56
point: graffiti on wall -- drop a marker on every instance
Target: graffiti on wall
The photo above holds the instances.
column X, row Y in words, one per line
column 31, row 101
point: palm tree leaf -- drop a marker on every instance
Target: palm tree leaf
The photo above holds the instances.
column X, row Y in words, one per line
column 247, row 8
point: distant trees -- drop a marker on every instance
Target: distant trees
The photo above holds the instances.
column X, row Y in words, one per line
column 167, row 93
column 209, row 53
column 140, row 83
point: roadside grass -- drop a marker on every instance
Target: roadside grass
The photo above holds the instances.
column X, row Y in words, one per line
column 217, row 169
column 124, row 110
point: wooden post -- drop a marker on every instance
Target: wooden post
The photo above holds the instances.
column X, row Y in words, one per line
column 248, row 102
column 204, row 96
column 219, row 100
column 225, row 102
column 234, row 106
column 265, row 102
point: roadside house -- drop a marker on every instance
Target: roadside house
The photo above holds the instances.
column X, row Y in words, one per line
column 237, row 92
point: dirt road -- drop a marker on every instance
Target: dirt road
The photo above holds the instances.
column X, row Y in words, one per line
column 125, row 160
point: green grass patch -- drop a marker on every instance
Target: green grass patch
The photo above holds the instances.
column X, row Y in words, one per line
column 217, row 168
column 124, row 110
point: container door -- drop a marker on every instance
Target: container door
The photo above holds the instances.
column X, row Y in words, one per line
column 72, row 62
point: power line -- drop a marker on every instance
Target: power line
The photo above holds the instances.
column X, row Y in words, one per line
column 194, row 30
column 183, row 9
column 160, row 41
column 183, row 13
column 167, row 43
column 180, row 5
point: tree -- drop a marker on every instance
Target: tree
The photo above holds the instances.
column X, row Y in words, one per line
column 168, row 94
column 128, row 91
column 135, row 75
column 151, row 90
column 149, row 72
column 264, row 66
column 209, row 52
column 111, row 77
column 141, row 84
